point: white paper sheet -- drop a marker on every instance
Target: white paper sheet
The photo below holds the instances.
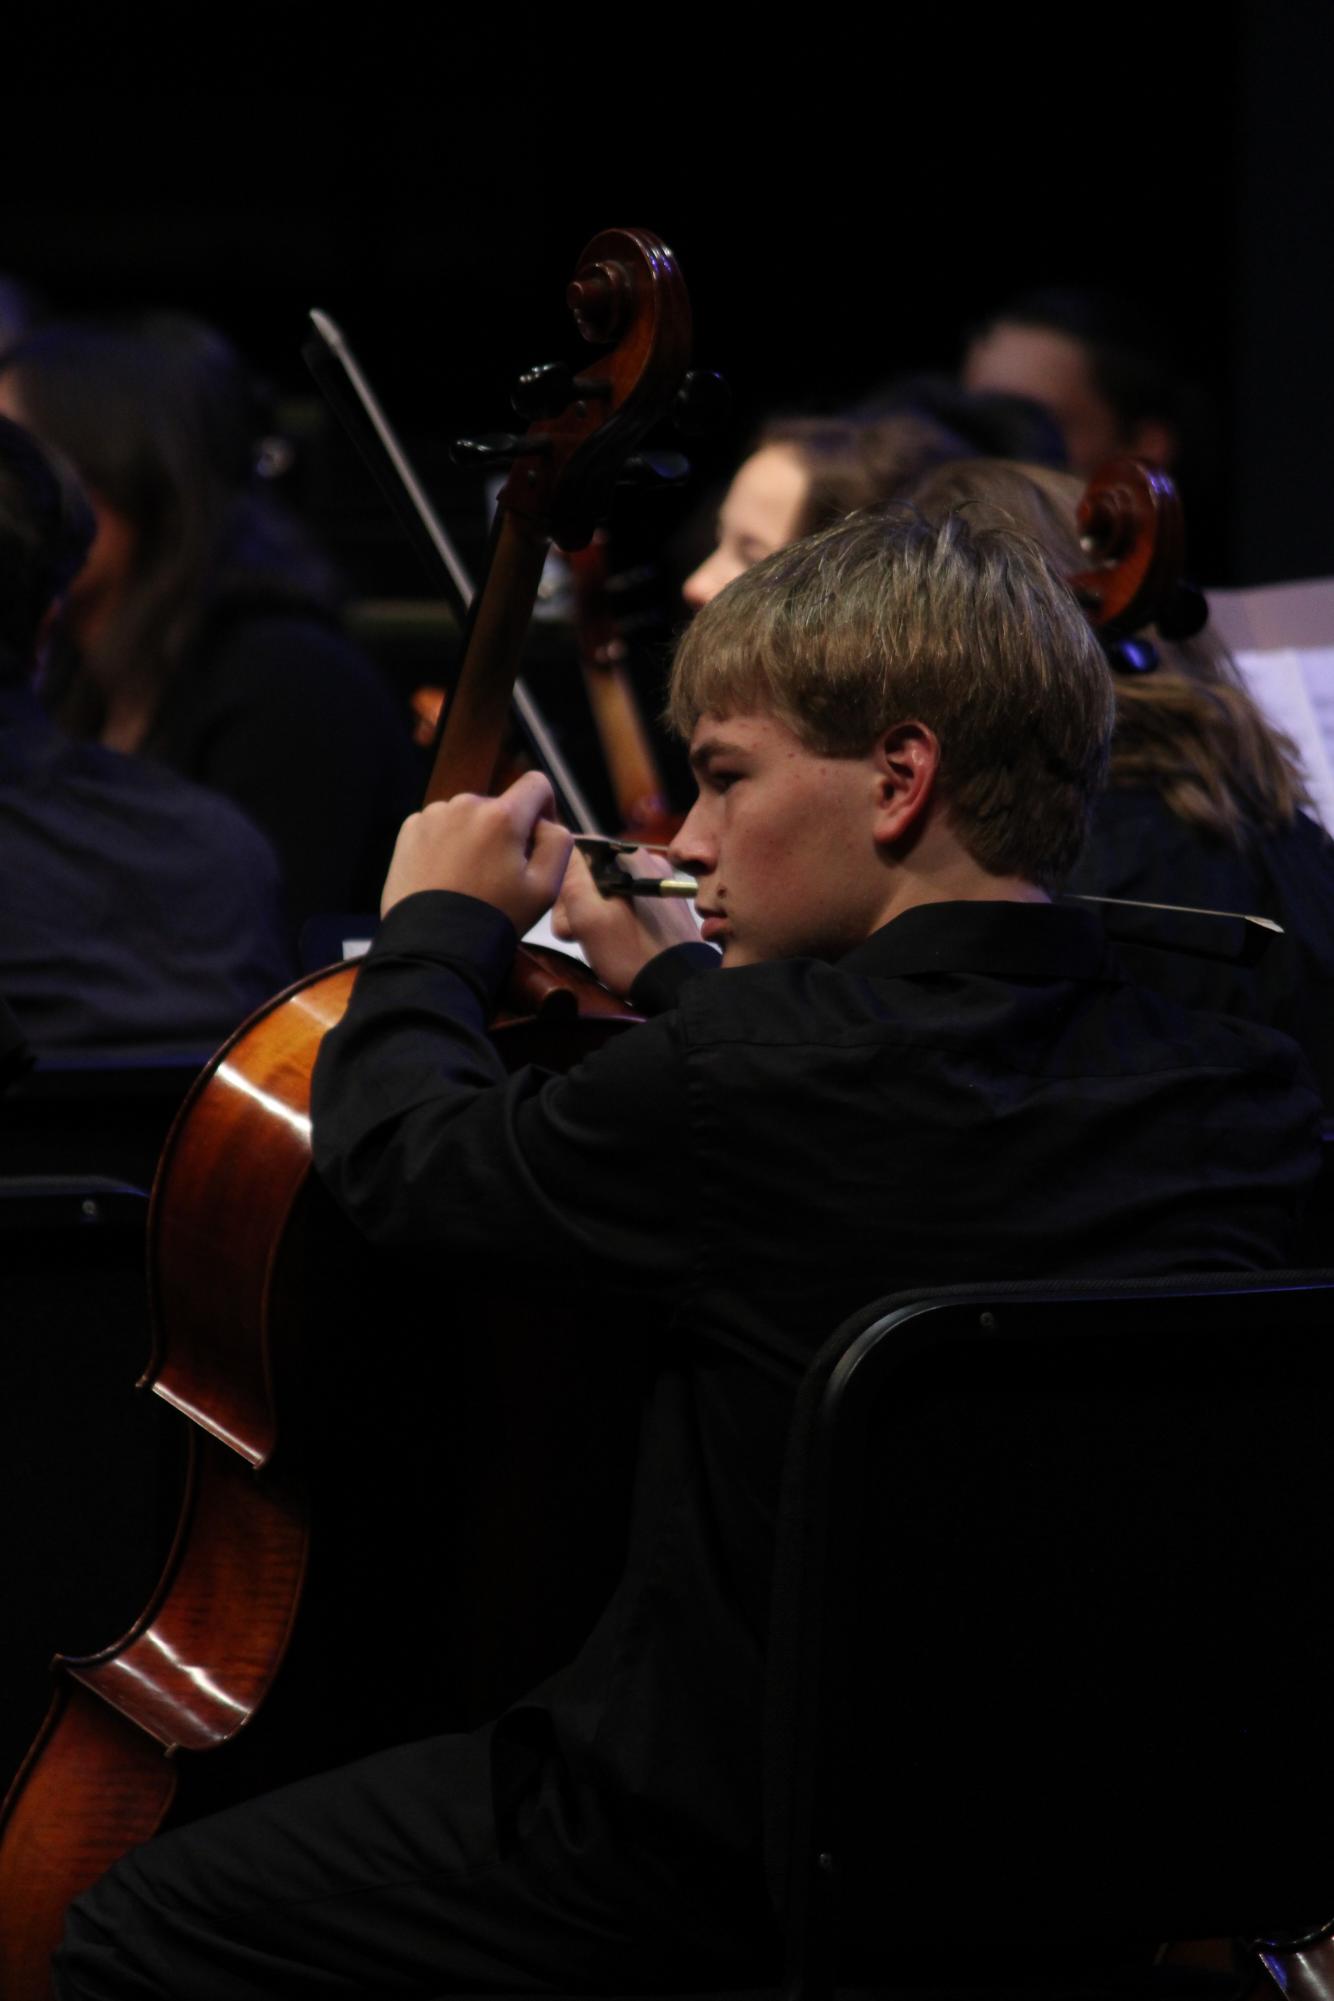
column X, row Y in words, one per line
column 1295, row 688
column 542, row 934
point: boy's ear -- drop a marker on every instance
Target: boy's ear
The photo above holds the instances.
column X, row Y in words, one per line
column 907, row 760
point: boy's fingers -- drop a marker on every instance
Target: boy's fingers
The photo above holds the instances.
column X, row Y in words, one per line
column 529, row 800
column 550, row 854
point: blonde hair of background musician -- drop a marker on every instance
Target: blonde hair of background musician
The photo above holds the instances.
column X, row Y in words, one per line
column 885, row 618
column 1189, row 730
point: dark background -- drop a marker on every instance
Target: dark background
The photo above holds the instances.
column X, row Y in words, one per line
column 846, row 193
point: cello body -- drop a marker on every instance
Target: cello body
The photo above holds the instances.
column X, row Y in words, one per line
column 248, row 1255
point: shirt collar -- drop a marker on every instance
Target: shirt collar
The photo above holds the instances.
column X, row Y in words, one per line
column 1012, row 940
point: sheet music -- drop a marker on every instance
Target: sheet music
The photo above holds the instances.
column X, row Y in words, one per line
column 1295, row 688
column 542, row 934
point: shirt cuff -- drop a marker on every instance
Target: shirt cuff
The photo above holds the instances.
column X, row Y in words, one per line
column 657, row 986
column 448, row 928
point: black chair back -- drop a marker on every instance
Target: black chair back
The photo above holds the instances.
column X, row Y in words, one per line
column 1052, row 1622
column 90, row 1468
column 105, row 1115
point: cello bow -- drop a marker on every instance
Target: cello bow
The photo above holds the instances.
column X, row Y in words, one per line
column 354, row 402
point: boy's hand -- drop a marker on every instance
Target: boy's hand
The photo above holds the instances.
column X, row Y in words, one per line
column 620, row 934
column 507, row 851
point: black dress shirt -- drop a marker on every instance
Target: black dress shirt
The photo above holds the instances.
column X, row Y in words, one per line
column 967, row 1095
column 1139, row 848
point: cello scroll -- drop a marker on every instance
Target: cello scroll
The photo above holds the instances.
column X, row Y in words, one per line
column 1130, row 521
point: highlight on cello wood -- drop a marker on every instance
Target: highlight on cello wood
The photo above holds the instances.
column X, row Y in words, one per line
column 195, row 1666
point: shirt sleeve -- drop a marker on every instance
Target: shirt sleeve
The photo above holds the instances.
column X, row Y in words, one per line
column 426, row 1140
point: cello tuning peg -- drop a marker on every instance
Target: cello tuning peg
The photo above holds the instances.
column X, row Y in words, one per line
column 1132, row 656
column 497, row 448
column 654, row 469
column 550, row 387
column 544, row 390
column 703, row 404
column 1185, row 613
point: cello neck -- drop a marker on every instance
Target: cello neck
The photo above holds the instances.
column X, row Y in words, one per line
column 476, row 717
column 628, row 302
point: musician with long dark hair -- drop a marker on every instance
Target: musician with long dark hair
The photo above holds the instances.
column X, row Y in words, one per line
column 137, row 911
column 202, row 631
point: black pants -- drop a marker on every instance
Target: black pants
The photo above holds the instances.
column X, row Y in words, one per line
column 389, row 1877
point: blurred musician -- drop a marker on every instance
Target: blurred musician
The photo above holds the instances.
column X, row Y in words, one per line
column 808, row 471
column 201, row 631
column 137, row 911
column 1109, row 372
column 991, row 423
column 1094, row 362
column 912, row 1067
column 1205, row 796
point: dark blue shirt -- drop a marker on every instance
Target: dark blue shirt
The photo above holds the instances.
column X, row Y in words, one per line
column 138, row 912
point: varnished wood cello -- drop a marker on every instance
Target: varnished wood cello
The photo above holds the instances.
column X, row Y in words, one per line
column 241, row 1238
column 1131, row 526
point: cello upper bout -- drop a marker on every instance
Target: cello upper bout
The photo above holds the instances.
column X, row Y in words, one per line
column 235, row 1162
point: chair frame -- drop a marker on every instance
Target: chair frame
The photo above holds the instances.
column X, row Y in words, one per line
column 810, row 1674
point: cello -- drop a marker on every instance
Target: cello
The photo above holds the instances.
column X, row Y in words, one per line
column 1130, row 522
column 249, row 1287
